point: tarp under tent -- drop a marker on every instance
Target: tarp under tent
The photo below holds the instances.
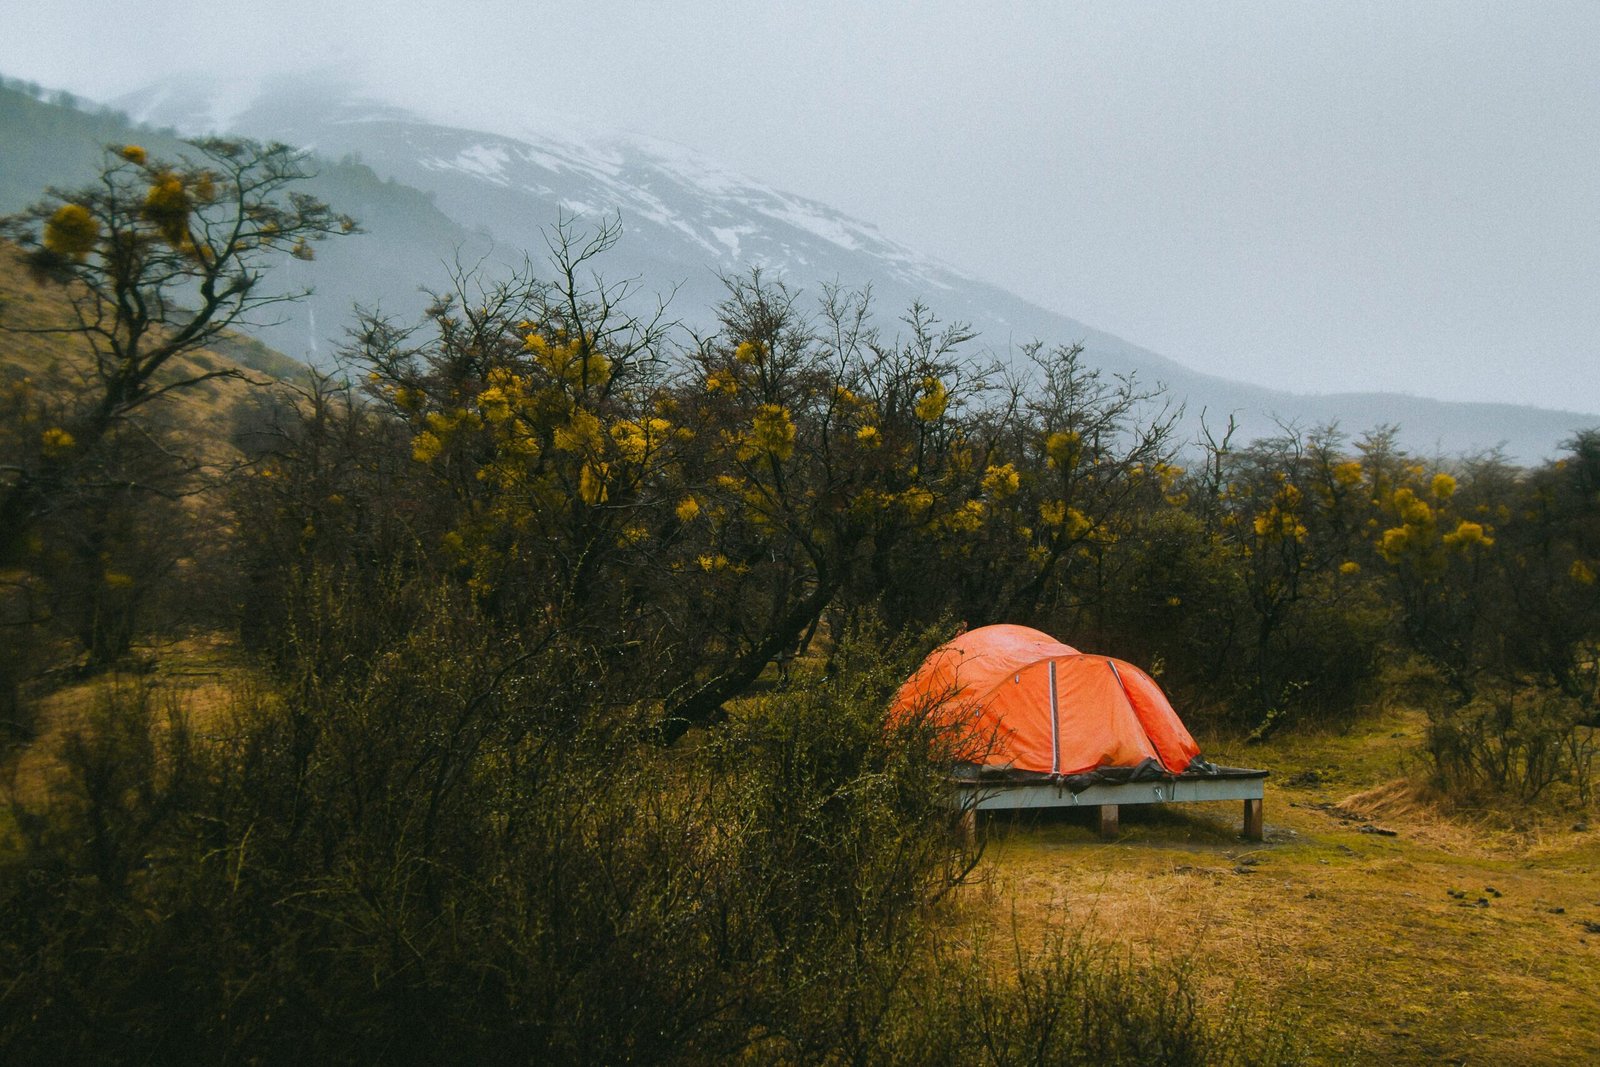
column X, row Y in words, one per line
column 1033, row 707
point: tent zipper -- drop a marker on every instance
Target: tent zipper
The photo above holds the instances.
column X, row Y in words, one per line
column 1055, row 724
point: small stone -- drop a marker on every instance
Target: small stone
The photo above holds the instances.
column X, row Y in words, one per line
column 1580, row 827
column 1557, row 911
column 1491, row 890
column 1591, row 927
column 1242, row 869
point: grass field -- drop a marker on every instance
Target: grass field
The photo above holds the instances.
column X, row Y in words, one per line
column 1451, row 941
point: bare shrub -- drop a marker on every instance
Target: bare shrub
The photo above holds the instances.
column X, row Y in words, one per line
column 1512, row 742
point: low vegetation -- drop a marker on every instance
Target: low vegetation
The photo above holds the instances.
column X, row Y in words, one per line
column 562, row 641
column 1397, row 923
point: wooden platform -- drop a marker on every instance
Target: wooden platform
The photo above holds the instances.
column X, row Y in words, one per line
column 976, row 796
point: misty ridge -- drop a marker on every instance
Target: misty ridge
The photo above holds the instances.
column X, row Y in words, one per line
column 430, row 196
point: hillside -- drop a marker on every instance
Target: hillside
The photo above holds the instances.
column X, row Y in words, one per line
column 688, row 219
column 58, row 365
column 430, row 196
column 406, row 242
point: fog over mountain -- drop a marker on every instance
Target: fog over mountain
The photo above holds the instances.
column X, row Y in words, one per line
column 495, row 196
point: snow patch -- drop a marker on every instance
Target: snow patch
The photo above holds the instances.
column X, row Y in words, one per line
column 729, row 237
column 486, row 161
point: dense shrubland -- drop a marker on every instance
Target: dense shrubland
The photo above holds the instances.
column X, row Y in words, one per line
column 498, row 570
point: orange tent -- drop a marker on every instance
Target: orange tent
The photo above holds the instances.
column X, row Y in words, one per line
column 1037, row 705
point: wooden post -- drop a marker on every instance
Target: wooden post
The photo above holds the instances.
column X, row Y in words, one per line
column 969, row 827
column 1108, row 821
column 1252, row 819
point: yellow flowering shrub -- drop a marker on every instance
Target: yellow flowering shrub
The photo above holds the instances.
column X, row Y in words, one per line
column 1064, row 448
column 71, row 232
column 1468, row 535
column 930, row 407
column 592, row 488
column 1281, row 520
column 637, row 440
column 426, row 446
column 581, row 434
column 167, row 206
column 1412, row 510
column 56, row 442
column 772, row 431
column 571, row 361
column 1078, row 524
column 915, row 499
column 966, row 519
column 1393, row 544
column 1001, row 482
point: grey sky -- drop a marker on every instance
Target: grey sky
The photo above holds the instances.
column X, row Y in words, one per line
column 1321, row 196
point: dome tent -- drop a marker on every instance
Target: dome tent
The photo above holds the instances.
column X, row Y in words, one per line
column 1035, row 706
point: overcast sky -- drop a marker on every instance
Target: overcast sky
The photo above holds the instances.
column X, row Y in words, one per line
column 1317, row 196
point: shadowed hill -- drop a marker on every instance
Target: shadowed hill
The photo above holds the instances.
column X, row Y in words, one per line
column 60, row 365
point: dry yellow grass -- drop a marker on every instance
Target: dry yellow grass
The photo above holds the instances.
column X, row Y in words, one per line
column 1355, row 933
column 60, row 365
column 201, row 677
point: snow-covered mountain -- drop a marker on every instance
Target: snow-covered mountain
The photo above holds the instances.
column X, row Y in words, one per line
column 686, row 220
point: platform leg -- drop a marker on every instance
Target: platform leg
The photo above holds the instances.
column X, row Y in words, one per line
column 969, row 827
column 1108, row 820
column 1252, row 819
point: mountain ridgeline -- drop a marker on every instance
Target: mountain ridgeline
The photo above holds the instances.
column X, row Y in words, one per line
column 430, row 197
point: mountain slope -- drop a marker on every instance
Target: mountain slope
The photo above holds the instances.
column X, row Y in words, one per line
column 406, row 237
column 429, row 194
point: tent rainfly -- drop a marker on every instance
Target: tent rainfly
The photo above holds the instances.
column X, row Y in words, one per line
column 1041, row 713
